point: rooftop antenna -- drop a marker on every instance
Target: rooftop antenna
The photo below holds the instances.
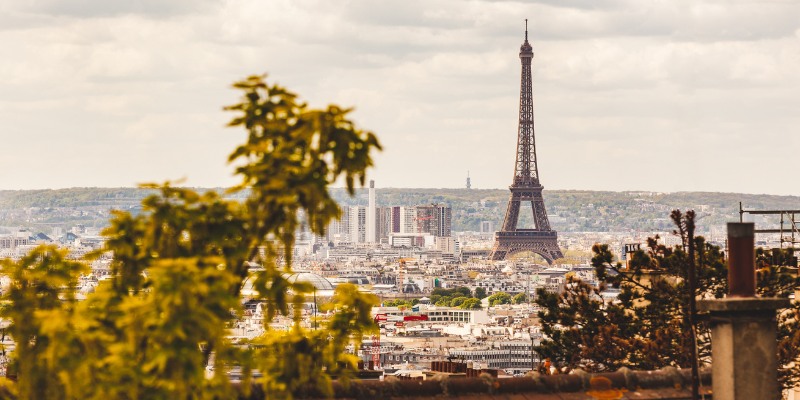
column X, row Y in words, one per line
column 526, row 29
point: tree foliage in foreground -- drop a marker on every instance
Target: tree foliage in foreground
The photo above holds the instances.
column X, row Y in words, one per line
column 178, row 268
column 648, row 326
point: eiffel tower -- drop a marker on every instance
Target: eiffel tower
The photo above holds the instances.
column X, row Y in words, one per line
column 541, row 240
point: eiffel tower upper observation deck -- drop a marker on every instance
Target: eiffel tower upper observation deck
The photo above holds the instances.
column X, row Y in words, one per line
column 526, row 187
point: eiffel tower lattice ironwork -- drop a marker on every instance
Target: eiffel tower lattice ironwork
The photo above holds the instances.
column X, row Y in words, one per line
column 526, row 187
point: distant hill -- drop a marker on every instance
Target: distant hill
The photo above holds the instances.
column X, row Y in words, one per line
column 569, row 210
column 583, row 210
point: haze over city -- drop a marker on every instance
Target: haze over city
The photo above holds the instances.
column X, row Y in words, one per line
column 675, row 96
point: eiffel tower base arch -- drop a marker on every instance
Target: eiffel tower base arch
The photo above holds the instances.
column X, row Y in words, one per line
column 544, row 244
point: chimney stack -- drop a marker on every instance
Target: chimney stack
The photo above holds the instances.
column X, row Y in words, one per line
column 743, row 327
column 741, row 259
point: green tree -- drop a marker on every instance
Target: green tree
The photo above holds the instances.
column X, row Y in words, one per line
column 471, row 304
column 178, row 267
column 462, row 291
column 649, row 325
column 499, row 298
column 458, row 301
column 480, row 292
column 452, row 292
column 398, row 303
column 519, row 298
column 443, row 301
column 39, row 303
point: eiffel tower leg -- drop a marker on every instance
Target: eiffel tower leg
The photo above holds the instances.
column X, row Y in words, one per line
column 498, row 252
column 512, row 213
column 539, row 213
column 551, row 247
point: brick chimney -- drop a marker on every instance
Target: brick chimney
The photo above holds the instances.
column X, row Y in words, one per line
column 743, row 327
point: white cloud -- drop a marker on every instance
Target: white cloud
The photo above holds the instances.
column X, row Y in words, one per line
column 628, row 94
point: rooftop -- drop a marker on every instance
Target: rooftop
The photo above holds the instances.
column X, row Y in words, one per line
column 667, row 383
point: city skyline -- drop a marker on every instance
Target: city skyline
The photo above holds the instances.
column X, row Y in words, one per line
column 672, row 97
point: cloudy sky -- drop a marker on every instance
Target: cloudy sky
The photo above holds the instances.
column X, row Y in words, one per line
column 629, row 95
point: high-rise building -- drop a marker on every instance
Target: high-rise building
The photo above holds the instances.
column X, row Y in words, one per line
column 395, row 219
column 371, row 223
column 407, row 219
column 444, row 224
column 344, row 224
column 339, row 229
column 354, row 226
column 358, row 224
column 469, row 183
column 383, row 223
column 425, row 220
column 434, row 219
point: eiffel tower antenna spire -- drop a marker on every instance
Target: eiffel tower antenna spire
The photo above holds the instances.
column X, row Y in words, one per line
column 526, row 29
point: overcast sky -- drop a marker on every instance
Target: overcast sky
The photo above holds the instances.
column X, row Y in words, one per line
column 629, row 95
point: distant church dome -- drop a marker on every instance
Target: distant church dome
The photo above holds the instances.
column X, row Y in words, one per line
column 318, row 281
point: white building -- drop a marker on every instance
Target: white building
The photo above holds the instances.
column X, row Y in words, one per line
column 446, row 245
column 358, row 224
column 371, row 234
column 454, row 314
column 408, row 216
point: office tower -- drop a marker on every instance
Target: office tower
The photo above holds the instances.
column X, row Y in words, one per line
column 383, row 223
column 434, row 219
column 395, row 219
column 407, row 219
column 444, row 223
column 357, row 224
column 371, row 224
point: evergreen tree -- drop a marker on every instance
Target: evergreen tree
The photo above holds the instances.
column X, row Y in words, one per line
column 649, row 325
